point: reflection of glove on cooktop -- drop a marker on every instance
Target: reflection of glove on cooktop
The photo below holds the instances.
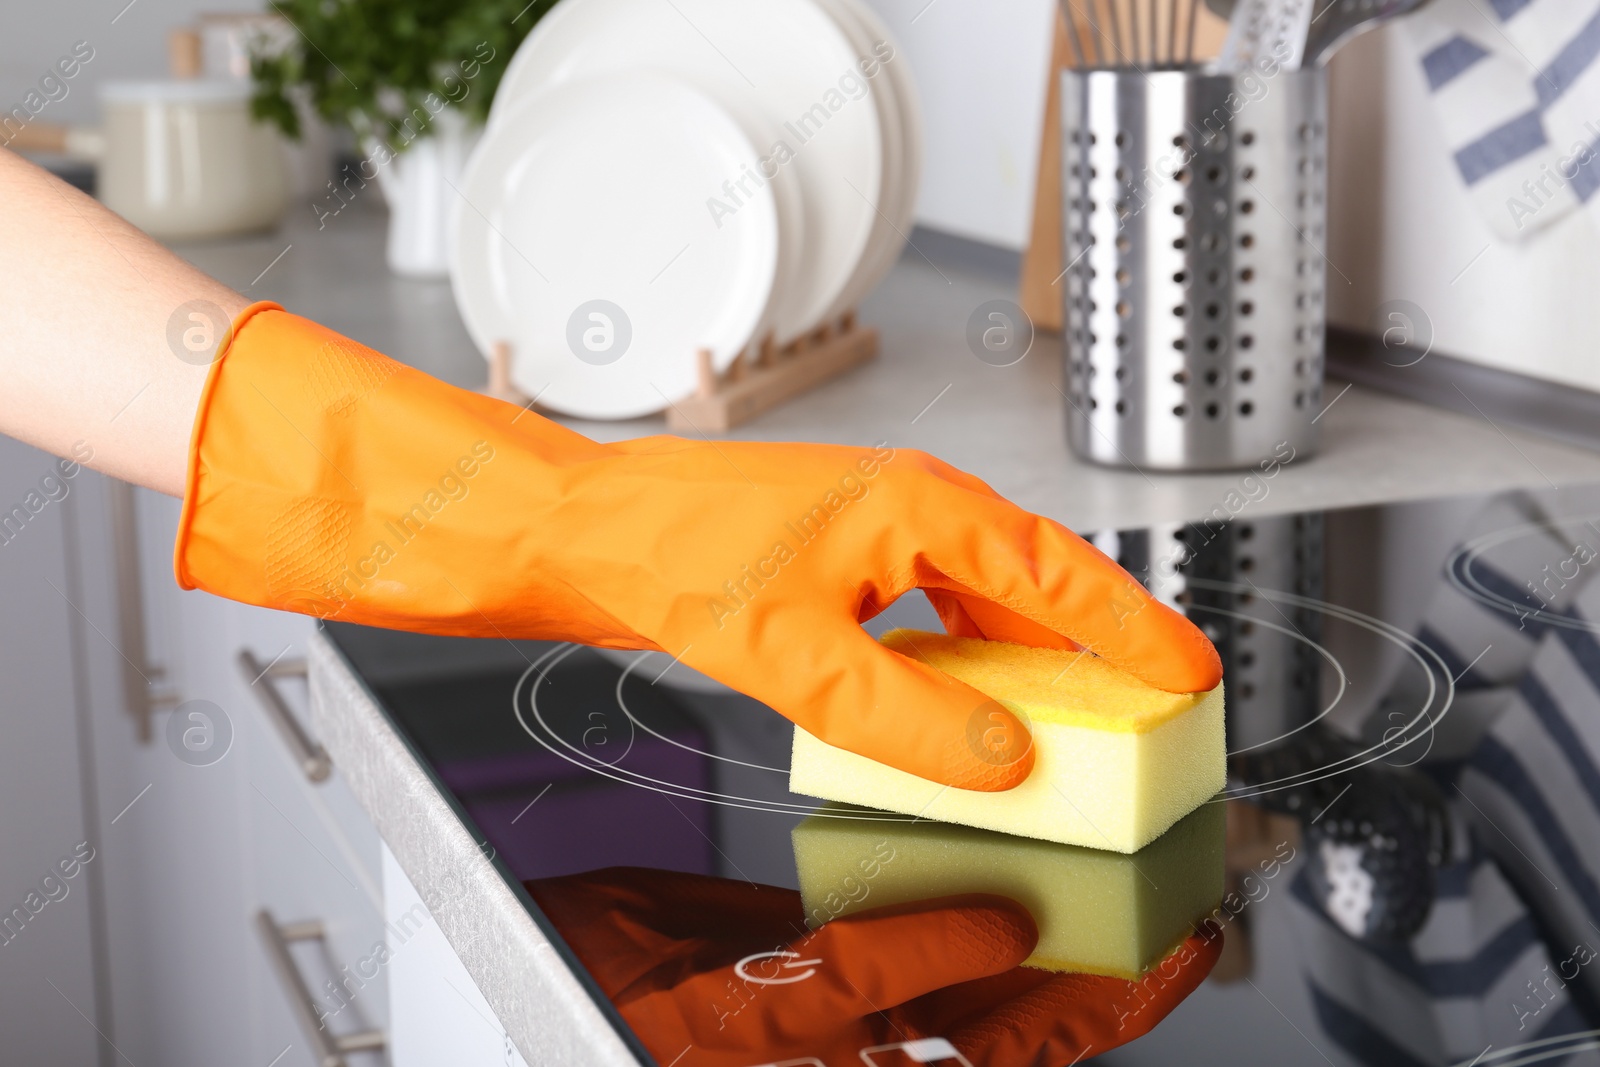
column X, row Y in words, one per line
column 727, row 972
column 1375, row 835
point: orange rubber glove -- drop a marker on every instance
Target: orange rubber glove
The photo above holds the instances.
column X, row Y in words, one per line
column 674, row 953
column 327, row 479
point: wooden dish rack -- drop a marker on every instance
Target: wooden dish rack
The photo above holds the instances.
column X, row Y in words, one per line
column 760, row 378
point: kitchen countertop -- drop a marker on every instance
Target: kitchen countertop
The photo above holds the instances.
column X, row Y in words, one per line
column 927, row 390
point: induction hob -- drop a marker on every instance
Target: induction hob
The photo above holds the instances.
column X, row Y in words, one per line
column 1412, row 816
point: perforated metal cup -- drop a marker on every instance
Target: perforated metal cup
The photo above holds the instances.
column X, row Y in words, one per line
column 1194, row 222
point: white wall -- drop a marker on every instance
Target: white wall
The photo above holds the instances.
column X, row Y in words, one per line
column 981, row 70
column 33, row 35
column 980, row 66
column 1401, row 227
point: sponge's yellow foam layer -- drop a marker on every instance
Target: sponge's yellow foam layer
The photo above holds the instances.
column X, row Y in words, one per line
column 1050, row 684
column 1097, row 912
column 1116, row 762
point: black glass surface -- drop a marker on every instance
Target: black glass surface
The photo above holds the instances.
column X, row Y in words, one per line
column 1412, row 812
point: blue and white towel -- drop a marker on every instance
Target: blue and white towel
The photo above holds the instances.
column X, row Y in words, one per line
column 1510, row 954
column 1463, row 983
column 1534, row 785
column 1517, row 88
column 1486, row 648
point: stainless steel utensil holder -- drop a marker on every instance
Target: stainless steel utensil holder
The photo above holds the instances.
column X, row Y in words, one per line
column 1194, row 223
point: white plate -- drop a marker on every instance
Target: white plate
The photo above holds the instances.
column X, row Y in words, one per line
column 894, row 93
column 904, row 85
column 770, row 64
column 596, row 191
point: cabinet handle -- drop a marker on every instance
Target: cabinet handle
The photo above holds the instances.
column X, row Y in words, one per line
column 139, row 675
column 311, row 756
column 331, row 1048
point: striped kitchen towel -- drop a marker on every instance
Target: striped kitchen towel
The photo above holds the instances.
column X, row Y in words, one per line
column 1516, row 86
column 1474, row 976
column 1506, row 969
column 1484, row 644
column 1533, row 786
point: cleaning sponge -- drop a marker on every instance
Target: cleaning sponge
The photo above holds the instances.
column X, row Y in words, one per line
column 1116, row 762
column 1097, row 912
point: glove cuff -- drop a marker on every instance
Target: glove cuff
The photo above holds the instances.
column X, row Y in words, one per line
column 327, row 479
column 191, row 477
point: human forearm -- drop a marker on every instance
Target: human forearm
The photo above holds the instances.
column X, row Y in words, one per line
column 86, row 300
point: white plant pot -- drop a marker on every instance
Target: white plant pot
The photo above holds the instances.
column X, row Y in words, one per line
column 420, row 186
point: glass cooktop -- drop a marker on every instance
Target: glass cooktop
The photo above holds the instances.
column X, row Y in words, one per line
column 1404, row 867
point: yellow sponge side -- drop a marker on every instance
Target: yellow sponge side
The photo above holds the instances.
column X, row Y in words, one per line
column 1116, row 787
column 1097, row 912
column 1049, row 684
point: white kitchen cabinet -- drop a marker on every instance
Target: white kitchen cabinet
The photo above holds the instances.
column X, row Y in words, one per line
column 158, row 942
column 315, row 861
column 438, row 1013
column 176, row 853
column 155, row 943
column 48, row 945
column 265, row 836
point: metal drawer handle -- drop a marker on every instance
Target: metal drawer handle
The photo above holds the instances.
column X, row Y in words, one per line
column 331, row 1048
column 142, row 688
column 311, row 756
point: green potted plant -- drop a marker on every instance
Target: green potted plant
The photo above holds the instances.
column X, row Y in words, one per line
column 413, row 80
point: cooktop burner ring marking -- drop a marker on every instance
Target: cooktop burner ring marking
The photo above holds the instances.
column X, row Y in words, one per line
column 566, row 751
column 623, row 704
column 1426, row 658
column 1344, row 682
column 1458, row 571
column 1577, row 1041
